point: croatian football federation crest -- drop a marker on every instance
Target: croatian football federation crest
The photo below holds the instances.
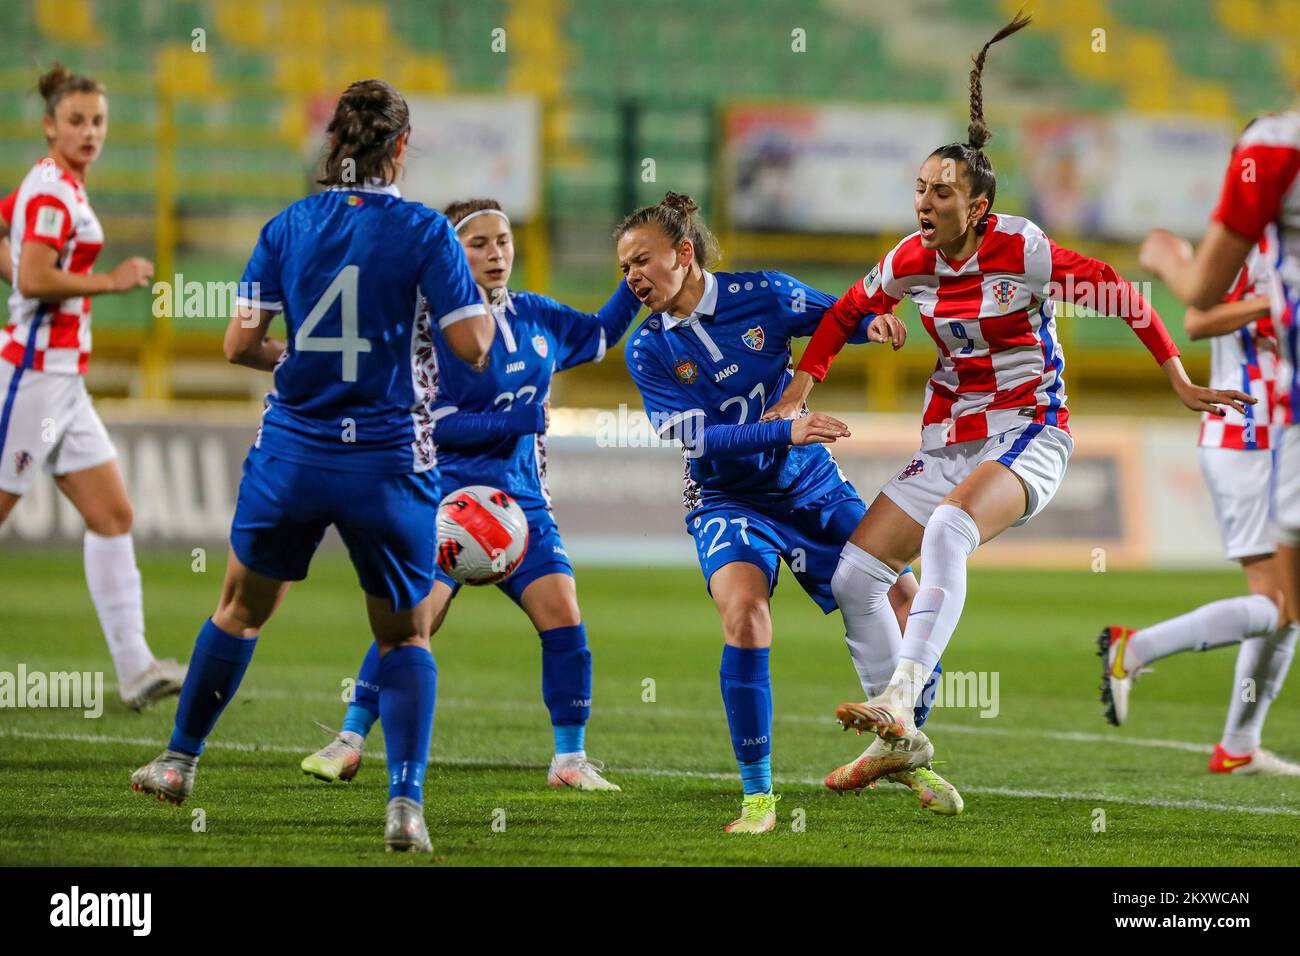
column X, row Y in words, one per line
column 754, row 338
column 687, row 371
column 915, row 468
column 1003, row 292
column 539, row 345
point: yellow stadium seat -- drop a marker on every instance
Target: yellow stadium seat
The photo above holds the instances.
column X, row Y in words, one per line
column 1212, row 99
column 425, row 73
column 300, row 73
column 1245, row 18
column 357, row 65
column 244, row 24
column 185, row 72
column 305, row 25
column 71, row 21
column 362, row 25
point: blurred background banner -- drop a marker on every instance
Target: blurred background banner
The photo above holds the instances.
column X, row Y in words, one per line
column 798, row 125
column 1116, row 176
column 475, row 146
column 835, row 168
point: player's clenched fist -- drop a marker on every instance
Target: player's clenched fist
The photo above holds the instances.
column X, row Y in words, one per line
column 887, row 328
column 817, row 429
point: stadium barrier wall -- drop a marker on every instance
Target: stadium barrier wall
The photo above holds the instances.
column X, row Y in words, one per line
column 1133, row 495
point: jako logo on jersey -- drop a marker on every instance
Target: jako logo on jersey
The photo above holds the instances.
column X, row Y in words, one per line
column 915, row 468
column 653, row 323
column 686, row 371
column 731, row 369
column 21, row 460
column 516, row 367
column 754, row 338
column 734, row 287
column 539, row 345
column 1003, row 291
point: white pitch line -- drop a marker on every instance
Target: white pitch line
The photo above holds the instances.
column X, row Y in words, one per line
column 470, row 762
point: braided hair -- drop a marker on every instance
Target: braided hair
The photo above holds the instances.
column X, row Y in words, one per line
column 367, row 122
column 983, row 181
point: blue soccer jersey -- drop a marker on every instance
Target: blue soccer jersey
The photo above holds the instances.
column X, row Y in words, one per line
column 347, row 267
column 489, row 421
column 724, row 365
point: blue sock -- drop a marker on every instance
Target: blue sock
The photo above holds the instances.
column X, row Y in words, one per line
column 216, row 667
column 747, row 696
column 566, row 684
column 364, row 709
column 922, row 709
column 408, row 686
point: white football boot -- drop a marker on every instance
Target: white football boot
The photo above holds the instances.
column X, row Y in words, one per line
column 580, row 773
column 404, row 831
column 1255, row 762
column 160, row 679
column 168, row 776
column 340, row 759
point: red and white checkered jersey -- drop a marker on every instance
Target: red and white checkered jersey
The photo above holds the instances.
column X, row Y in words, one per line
column 1261, row 200
column 1247, row 360
column 993, row 319
column 51, row 208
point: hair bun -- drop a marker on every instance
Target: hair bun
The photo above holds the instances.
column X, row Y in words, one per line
column 53, row 78
column 681, row 202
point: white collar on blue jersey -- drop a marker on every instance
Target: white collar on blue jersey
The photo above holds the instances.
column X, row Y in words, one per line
column 708, row 304
column 507, row 301
column 371, row 185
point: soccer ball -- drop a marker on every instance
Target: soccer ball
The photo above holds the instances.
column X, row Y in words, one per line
column 482, row 535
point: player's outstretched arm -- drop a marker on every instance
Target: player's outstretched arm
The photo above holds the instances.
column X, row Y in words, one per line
column 1224, row 318
column 246, row 342
column 6, row 261
column 39, row 275
column 1199, row 279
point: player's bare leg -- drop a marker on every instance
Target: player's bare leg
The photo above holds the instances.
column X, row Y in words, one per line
column 7, row 502
column 551, row 603
column 340, row 759
column 99, row 495
column 248, row 600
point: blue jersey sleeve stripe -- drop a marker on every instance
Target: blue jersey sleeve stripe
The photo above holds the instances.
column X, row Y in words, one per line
column 464, row 312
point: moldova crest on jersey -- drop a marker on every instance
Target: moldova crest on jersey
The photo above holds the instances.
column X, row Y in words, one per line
column 686, row 371
column 539, row 345
column 1003, row 292
column 754, row 338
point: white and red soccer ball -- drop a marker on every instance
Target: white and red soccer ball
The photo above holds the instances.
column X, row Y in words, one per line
column 482, row 535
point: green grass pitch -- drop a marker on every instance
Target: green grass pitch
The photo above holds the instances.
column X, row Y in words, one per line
column 1034, row 777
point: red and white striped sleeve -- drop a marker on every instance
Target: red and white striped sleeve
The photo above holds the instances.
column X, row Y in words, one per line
column 1259, row 175
column 7, row 209
column 1094, row 284
column 865, row 297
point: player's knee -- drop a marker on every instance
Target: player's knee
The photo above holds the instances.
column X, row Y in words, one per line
column 112, row 519
column 861, row 581
column 950, row 524
column 747, row 621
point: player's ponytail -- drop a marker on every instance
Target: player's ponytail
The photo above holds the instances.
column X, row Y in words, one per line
column 58, row 81
column 678, row 216
column 983, row 181
column 369, row 118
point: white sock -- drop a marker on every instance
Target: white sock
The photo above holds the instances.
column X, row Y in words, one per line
column 576, row 755
column 1262, row 664
column 1210, row 625
column 114, row 583
column 861, row 586
column 950, row 537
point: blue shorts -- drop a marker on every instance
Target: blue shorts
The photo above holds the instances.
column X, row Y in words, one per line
column 545, row 555
column 387, row 522
column 810, row 538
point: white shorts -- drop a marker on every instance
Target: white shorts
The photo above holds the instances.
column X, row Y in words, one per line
column 47, row 421
column 1239, row 485
column 1286, row 487
column 1036, row 453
